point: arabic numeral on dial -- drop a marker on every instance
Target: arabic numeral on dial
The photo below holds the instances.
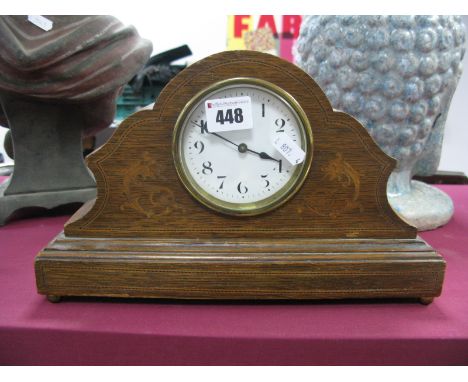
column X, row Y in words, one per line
column 207, row 170
column 203, row 127
column 199, row 145
column 280, row 123
column 242, row 189
column 223, row 177
column 266, row 180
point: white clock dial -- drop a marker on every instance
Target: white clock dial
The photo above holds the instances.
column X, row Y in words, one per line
column 241, row 169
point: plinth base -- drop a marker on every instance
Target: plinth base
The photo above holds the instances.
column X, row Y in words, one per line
column 9, row 204
column 240, row 269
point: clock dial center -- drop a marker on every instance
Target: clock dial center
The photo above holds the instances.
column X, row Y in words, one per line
column 242, row 148
column 240, row 171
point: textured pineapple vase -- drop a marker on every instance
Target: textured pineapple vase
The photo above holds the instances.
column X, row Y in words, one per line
column 397, row 76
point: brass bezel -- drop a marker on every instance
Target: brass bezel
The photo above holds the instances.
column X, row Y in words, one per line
column 253, row 208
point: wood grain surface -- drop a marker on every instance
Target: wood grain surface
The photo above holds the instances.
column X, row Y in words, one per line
column 145, row 236
column 140, row 194
column 240, row 269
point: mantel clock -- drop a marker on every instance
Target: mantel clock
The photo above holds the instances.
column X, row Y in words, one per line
column 241, row 183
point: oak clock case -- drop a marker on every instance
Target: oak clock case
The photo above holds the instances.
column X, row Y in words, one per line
column 240, row 172
column 156, row 230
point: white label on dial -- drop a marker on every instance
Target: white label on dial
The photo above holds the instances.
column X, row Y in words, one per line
column 289, row 149
column 41, row 22
column 228, row 114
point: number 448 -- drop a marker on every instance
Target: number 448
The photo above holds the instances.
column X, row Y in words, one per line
column 231, row 116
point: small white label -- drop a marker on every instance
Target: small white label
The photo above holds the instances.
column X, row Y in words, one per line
column 228, row 114
column 41, row 22
column 289, row 149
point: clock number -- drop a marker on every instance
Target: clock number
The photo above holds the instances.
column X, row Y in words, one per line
column 220, row 117
column 199, row 145
column 263, row 110
column 207, row 170
column 203, row 127
column 229, row 116
column 266, row 180
column 238, row 117
column 242, row 189
column 280, row 122
column 222, row 183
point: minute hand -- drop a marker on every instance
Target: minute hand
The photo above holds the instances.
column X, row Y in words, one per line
column 216, row 134
column 227, row 140
column 243, row 147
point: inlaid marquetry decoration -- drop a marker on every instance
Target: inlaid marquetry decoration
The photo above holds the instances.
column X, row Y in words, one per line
column 339, row 176
column 160, row 201
column 241, row 183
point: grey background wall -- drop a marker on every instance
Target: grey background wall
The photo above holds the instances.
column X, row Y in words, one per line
column 455, row 147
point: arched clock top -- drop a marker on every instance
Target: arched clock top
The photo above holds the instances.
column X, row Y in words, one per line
column 141, row 193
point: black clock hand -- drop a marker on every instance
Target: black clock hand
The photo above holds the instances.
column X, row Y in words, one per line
column 242, row 147
column 220, row 136
column 227, row 140
column 264, row 155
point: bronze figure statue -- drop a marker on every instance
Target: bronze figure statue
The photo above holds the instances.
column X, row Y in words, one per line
column 57, row 86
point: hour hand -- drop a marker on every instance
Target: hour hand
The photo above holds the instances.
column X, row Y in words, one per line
column 242, row 147
column 264, row 155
